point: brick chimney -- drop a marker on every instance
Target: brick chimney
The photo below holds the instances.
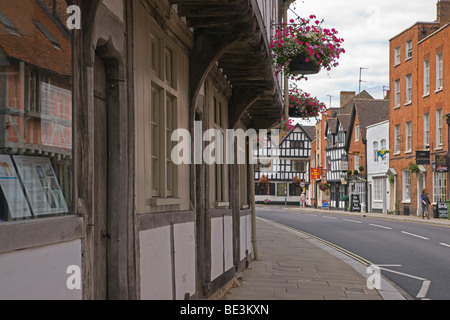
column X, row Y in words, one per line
column 347, row 96
column 443, row 12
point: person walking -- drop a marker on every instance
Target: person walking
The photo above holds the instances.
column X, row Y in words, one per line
column 303, row 200
column 425, row 204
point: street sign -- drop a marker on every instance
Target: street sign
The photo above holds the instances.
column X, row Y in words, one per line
column 423, row 157
column 325, row 204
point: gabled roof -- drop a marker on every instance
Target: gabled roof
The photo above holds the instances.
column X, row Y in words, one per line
column 33, row 43
column 368, row 112
column 310, row 132
column 344, row 121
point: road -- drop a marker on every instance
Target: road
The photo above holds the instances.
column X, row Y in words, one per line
column 414, row 256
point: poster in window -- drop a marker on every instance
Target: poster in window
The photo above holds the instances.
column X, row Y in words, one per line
column 41, row 185
column 12, row 190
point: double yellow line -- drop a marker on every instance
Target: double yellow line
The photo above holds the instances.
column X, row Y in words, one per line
column 331, row 245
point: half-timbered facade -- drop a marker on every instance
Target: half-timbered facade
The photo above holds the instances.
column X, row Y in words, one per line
column 141, row 224
column 336, row 160
column 289, row 172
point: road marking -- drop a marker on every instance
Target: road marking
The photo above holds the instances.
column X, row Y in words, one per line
column 378, row 226
column 352, row 221
column 330, row 217
column 444, row 244
column 415, row 235
column 311, row 215
column 423, row 291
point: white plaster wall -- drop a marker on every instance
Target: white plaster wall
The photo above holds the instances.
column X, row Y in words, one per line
column 217, row 248
column 377, row 132
column 184, row 242
column 40, row 273
column 228, row 242
column 156, row 264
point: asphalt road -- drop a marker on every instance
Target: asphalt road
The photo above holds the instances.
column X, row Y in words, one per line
column 414, row 256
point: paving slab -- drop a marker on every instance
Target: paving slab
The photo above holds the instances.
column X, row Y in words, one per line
column 292, row 266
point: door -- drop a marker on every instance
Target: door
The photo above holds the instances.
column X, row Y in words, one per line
column 101, row 233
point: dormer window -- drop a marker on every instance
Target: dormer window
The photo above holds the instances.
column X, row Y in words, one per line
column 47, row 33
column 8, row 24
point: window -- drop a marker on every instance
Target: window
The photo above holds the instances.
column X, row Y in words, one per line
column 408, row 49
column 397, row 140
column 281, row 189
column 426, row 77
column 9, row 26
column 406, row 182
column 47, row 33
column 36, row 172
column 439, row 186
column 397, row 56
column 384, row 147
column 408, row 83
column 397, row 93
column 375, row 151
column 378, row 189
column 439, row 71
column 439, row 128
column 357, row 132
column 426, row 130
column 297, row 144
column 299, row 166
column 357, row 162
column 408, row 136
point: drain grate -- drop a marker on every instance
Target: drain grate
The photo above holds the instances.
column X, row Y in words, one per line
column 354, row 290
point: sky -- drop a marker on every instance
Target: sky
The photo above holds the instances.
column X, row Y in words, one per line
column 366, row 26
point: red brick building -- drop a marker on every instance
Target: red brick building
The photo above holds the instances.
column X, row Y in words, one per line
column 419, row 102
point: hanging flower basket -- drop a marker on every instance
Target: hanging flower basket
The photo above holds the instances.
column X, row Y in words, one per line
column 324, row 186
column 298, row 65
column 264, row 180
column 304, row 47
column 302, row 105
column 296, row 180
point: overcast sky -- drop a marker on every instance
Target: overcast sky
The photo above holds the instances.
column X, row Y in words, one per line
column 366, row 26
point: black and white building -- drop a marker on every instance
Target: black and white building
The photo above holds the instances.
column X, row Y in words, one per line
column 283, row 167
column 337, row 160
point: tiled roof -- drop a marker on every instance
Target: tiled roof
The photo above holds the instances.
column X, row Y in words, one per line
column 370, row 112
column 344, row 120
column 310, row 131
column 33, row 46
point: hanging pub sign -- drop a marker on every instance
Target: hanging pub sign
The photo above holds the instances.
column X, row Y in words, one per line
column 423, row 157
column 441, row 163
column 316, row 173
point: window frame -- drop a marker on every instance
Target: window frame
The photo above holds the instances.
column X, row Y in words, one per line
column 426, row 77
column 439, row 71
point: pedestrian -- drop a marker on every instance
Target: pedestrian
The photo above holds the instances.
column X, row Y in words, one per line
column 425, row 203
column 303, row 200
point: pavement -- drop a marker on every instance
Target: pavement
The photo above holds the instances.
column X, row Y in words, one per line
column 296, row 266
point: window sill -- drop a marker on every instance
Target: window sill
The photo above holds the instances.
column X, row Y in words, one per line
column 407, row 59
column 396, row 65
column 165, row 201
column 409, row 151
column 397, row 107
column 406, row 201
column 221, row 204
column 439, row 148
column 408, row 103
column 426, row 95
column 397, row 153
column 439, row 90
